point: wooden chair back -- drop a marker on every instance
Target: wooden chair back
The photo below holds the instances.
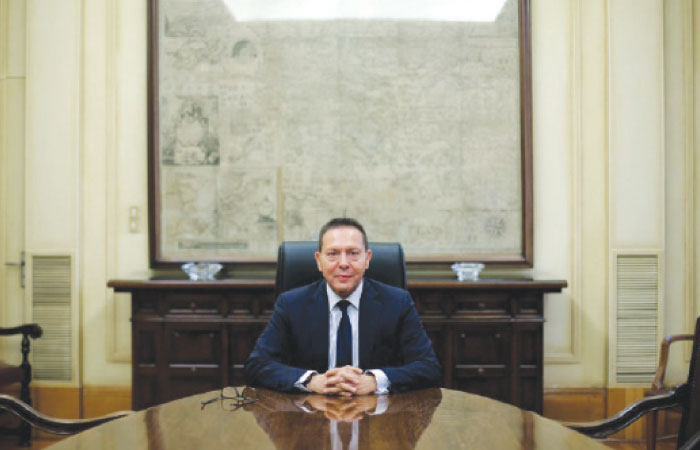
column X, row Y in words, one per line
column 20, row 374
column 690, row 420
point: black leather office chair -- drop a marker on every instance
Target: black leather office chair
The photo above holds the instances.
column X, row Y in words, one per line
column 297, row 267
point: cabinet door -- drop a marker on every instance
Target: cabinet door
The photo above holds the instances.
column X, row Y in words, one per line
column 146, row 338
column 482, row 360
column 437, row 334
column 194, row 358
column 242, row 338
column 528, row 357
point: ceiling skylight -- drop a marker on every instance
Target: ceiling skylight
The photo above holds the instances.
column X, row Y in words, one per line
column 432, row 10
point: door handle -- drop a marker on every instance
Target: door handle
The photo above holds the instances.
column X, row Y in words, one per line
column 21, row 264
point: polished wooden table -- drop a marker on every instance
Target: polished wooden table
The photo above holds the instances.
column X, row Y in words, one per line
column 426, row 419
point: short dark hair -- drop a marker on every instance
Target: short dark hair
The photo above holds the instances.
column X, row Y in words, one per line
column 339, row 222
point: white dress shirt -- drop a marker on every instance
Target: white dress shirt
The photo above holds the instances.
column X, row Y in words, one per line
column 334, row 316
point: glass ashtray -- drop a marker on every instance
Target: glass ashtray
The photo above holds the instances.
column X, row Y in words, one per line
column 467, row 271
column 199, row 271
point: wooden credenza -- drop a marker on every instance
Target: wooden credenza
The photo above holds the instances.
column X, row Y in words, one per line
column 195, row 336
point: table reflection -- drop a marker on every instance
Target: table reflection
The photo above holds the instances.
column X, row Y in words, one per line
column 323, row 422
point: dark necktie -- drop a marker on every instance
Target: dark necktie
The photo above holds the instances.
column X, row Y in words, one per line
column 345, row 434
column 343, row 349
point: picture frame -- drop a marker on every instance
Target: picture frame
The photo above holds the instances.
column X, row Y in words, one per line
column 420, row 127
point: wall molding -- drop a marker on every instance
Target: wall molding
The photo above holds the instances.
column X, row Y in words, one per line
column 685, row 75
column 112, row 143
column 576, row 183
column 4, row 213
column 572, row 356
column 690, row 41
column 636, row 161
column 116, row 350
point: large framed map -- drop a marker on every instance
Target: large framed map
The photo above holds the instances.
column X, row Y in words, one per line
column 269, row 118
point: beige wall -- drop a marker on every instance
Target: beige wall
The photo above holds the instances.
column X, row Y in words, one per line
column 613, row 169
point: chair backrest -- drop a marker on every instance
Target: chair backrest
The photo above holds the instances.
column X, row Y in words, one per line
column 297, row 267
column 690, row 420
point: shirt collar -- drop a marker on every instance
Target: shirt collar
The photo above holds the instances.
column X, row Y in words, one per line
column 354, row 298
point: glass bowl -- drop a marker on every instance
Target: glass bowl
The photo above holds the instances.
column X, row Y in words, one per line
column 467, row 271
column 200, row 271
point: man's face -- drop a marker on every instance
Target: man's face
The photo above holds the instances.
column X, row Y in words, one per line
column 343, row 259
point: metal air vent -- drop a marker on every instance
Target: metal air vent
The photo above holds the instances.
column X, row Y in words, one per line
column 52, row 295
column 637, row 318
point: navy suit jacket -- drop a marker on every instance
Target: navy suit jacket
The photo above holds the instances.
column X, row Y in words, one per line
column 391, row 337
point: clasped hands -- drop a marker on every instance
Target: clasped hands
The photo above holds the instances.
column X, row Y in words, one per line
column 343, row 409
column 344, row 381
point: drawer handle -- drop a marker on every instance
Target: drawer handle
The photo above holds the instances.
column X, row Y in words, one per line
column 482, row 305
column 177, row 334
column 481, row 370
column 193, row 369
column 498, row 335
column 463, row 336
column 193, row 306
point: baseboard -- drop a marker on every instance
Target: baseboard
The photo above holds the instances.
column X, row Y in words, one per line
column 575, row 404
column 101, row 400
column 57, row 401
column 68, row 402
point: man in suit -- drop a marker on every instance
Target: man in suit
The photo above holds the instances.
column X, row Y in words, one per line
column 344, row 334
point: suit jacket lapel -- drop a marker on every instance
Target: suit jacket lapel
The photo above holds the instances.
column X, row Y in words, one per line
column 318, row 324
column 370, row 311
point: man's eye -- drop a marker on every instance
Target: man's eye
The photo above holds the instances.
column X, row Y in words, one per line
column 355, row 253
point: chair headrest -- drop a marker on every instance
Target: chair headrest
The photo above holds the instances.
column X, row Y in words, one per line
column 297, row 267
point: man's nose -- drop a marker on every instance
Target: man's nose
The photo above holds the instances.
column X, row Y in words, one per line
column 344, row 260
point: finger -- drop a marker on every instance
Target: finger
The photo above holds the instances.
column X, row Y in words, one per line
column 350, row 371
column 349, row 407
column 347, row 387
column 352, row 415
column 332, row 381
column 351, row 380
column 331, row 389
column 330, row 414
column 340, row 388
column 353, row 369
column 349, row 375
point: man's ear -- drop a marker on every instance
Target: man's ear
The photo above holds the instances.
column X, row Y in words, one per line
column 317, row 256
column 369, row 257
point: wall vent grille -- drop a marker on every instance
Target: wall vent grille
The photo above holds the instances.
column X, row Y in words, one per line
column 51, row 308
column 637, row 318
